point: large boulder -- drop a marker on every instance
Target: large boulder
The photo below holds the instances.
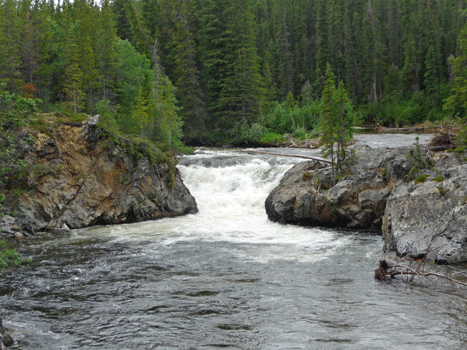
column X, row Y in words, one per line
column 78, row 176
column 417, row 215
column 357, row 200
column 430, row 217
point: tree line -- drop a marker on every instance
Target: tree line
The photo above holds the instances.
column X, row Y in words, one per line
column 217, row 70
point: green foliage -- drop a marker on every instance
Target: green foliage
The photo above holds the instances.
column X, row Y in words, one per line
column 438, row 179
column 271, row 138
column 443, row 191
column 421, row 178
column 231, row 60
column 9, row 257
column 15, row 110
column 245, row 133
column 140, row 116
column 134, row 67
column 419, row 162
column 336, row 122
column 168, row 119
column 287, row 118
column 108, row 116
column 73, row 75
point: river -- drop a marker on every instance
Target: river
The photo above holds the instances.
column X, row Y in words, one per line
column 225, row 278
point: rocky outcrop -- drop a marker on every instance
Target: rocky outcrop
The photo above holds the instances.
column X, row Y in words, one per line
column 357, row 200
column 77, row 175
column 429, row 217
column 424, row 215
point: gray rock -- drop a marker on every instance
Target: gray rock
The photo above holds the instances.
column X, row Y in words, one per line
column 357, row 200
column 429, row 217
column 415, row 218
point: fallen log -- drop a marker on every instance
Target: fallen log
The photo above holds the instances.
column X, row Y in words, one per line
column 290, row 155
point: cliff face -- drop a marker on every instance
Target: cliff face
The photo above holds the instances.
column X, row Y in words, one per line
column 80, row 177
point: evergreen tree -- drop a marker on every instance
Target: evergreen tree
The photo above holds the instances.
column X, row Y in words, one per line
column 242, row 87
column 73, row 74
column 285, row 59
column 431, row 77
column 409, row 74
column 457, row 102
column 139, row 114
column 106, row 52
column 186, row 73
column 9, row 45
column 133, row 68
column 322, row 33
column 336, row 122
column 214, row 54
column 328, row 109
column 169, row 122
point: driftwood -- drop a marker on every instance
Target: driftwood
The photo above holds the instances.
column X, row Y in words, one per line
column 388, row 270
column 290, row 155
column 444, row 139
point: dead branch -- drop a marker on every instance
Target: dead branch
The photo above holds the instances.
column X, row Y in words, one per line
column 389, row 269
column 444, row 139
column 290, row 155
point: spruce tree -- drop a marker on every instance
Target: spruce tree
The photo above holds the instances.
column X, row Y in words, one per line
column 9, row 45
column 106, row 52
column 213, row 52
column 456, row 104
column 139, row 114
column 242, row 87
column 73, row 75
column 431, row 78
column 409, row 73
column 169, row 121
column 336, row 122
column 186, row 74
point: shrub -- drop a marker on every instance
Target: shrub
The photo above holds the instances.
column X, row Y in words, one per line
column 421, row 178
column 9, row 257
column 438, row 179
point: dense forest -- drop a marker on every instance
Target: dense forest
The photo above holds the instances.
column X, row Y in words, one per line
column 213, row 71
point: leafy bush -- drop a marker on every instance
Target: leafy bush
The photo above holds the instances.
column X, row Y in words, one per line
column 9, row 257
column 438, row 179
column 286, row 120
column 15, row 111
column 272, row 138
column 421, row 179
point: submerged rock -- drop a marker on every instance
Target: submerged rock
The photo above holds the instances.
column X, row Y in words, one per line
column 79, row 176
column 428, row 215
